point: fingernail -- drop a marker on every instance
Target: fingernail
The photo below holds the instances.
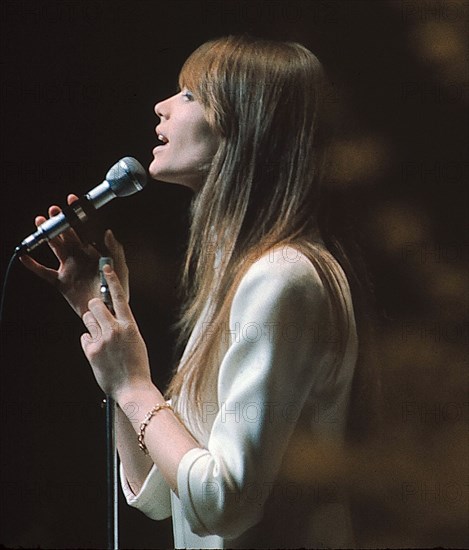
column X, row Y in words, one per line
column 107, row 269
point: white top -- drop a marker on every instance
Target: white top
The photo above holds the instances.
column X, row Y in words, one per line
column 278, row 387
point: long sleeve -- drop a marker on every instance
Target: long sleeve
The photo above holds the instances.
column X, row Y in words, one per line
column 153, row 498
column 272, row 364
column 278, row 375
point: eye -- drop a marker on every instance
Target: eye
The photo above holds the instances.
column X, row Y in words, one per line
column 187, row 95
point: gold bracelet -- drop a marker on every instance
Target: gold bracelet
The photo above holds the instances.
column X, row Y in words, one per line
column 146, row 421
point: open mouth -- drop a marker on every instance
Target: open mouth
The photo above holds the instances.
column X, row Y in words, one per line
column 162, row 139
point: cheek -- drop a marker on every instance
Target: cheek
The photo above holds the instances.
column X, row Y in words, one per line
column 208, row 137
column 200, row 140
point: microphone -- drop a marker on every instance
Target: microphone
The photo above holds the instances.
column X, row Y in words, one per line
column 125, row 178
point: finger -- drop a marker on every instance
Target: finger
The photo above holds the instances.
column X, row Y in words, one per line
column 101, row 314
column 56, row 244
column 119, row 301
column 39, row 220
column 49, row 275
column 117, row 252
column 57, row 241
column 71, row 198
column 71, row 236
column 88, row 318
column 85, row 341
column 94, row 330
column 71, row 239
column 54, row 210
column 113, row 244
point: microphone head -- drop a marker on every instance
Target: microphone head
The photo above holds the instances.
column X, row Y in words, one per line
column 126, row 177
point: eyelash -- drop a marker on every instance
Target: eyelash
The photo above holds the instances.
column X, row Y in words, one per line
column 188, row 95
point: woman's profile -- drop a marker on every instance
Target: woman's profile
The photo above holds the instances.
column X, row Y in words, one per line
column 267, row 331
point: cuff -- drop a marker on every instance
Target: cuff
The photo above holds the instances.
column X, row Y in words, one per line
column 153, row 499
column 193, row 463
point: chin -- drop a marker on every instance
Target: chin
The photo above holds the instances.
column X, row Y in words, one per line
column 153, row 170
column 157, row 174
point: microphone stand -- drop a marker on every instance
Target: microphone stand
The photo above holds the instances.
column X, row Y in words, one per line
column 112, row 478
column 111, row 448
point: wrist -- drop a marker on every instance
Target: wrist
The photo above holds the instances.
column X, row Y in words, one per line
column 136, row 401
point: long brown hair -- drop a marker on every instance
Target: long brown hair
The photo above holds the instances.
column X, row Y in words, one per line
column 262, row 98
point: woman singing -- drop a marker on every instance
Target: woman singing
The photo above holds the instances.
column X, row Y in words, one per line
column 267, row 329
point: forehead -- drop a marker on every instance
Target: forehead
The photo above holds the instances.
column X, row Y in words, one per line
column 201, row 66
column 190, row 76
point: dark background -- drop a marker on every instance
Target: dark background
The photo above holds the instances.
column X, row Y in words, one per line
column 79, row 82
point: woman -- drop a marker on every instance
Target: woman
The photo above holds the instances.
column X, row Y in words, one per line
column 268, row 320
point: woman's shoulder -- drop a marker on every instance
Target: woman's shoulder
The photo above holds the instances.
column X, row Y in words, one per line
column 282, row 271
column 285, row 263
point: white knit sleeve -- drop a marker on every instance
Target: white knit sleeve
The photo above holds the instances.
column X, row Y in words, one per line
column 264, row 380
column 153, row 499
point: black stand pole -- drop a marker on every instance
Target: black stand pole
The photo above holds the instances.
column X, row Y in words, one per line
column 112, row 479
column 111, row 448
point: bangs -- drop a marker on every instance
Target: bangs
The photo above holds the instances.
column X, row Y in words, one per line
column 204, row 74
column 197, row 70
column 254, row 85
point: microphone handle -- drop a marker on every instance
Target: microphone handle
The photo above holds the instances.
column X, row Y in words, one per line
column 72, row 215
column 104, row 289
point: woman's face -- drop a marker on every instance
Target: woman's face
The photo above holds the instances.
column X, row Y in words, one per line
column 189, row 142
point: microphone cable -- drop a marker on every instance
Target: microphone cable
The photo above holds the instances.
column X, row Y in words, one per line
column 4, row 285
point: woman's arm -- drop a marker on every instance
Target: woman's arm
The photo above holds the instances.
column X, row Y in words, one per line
column 76, row 277
column 274, row 360
column 136, row 465
column 166, row 439
column 117, row 354
column 279, row 368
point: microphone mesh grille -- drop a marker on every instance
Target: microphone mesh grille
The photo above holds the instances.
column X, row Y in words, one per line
column 126, row 177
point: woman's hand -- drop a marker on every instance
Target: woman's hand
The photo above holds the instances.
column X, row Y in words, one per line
column 77, row 275
column 113, row 345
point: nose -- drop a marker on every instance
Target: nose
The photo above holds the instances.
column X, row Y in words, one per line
column 161, row 108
